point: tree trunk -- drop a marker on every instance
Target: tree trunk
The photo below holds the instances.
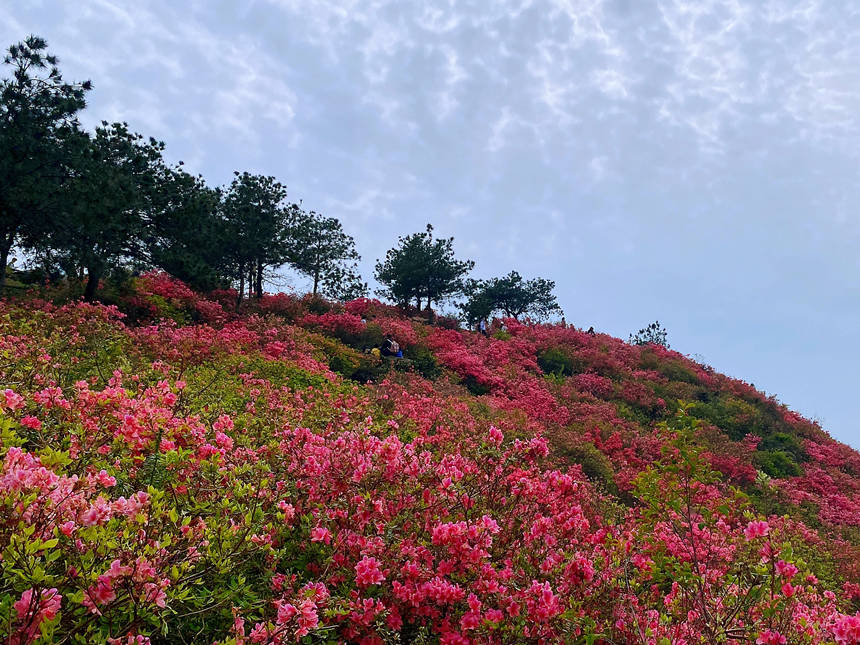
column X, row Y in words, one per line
column 93, row 277
column 7, row 241
column 259, row 284
column 316, row 272
column 241, row 285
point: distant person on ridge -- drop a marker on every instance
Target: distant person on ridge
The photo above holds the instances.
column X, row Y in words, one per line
column 482, row 326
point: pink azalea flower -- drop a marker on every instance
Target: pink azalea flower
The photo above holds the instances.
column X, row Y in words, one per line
column 756, row 529
column 368, row 572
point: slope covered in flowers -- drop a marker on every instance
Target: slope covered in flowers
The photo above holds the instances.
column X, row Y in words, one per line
column 175, row 472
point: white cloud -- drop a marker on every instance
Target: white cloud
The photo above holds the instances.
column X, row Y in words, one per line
column 497, row 131
column 651, row 128
column 598, row 167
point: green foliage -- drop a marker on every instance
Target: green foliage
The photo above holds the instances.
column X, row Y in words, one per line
column 316, row 304
column 510, row 295
column 475, row 387
column 342, row 360
column 38, row 114
column 638, row 414
column 653, row 334
column 556, row 360
column 422, row 269
column 784, row 442
column 343, row 364
column 217, row 384
column 280, row 373
column 675, row 371
column 371, row 370
column 596, row 466
column 733, row 415
column 184, row 231
column 777, row 463
column 321, row 249
column 478, row 305
column 105, row 202
column 423, row 361
column 256, row 227
column 369, row 337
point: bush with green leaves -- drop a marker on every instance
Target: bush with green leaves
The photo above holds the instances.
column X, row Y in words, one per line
column 653, row 334
column 556, row 360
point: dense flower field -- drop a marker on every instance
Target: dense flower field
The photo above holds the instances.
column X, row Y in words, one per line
column 177, row 472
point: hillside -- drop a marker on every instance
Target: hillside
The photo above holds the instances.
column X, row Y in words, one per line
column 176, row 472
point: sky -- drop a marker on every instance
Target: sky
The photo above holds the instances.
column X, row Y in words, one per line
column 691, row 161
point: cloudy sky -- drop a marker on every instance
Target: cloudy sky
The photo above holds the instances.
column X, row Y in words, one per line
column 690, row 161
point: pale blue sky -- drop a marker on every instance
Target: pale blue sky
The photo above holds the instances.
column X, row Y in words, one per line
column 693, row 161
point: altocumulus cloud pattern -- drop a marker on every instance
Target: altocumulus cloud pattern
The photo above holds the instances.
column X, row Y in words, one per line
column 689, row 161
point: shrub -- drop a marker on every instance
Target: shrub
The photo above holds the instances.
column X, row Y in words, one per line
column 556, row 361
column 338, row 325
column 653, row 334
column 341, row 359
column 316, row 304
column 784, row 442
column 733, row 415
column 595, row 465
column 599, row 386
column 448, row 322
column 777, row 463
column 279, row 373
column 400, row 330
column 674, row 371
column 286, row 306
column 474, row 386
column 370, row 370
column 423, row 361
column 370, row 308
column 347, row 328
column 343, row 365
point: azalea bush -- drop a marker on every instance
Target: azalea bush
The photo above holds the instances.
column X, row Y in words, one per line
column 250, row 478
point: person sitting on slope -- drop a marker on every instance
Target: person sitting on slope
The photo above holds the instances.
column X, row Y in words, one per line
column 390, row 347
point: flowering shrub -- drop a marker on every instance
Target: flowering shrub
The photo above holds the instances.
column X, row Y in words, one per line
column 284, row 305
column 157, row 295
column 221, row 482
column 371, row 308
column 593, row 384
column 400, row 330
column 334, row 324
